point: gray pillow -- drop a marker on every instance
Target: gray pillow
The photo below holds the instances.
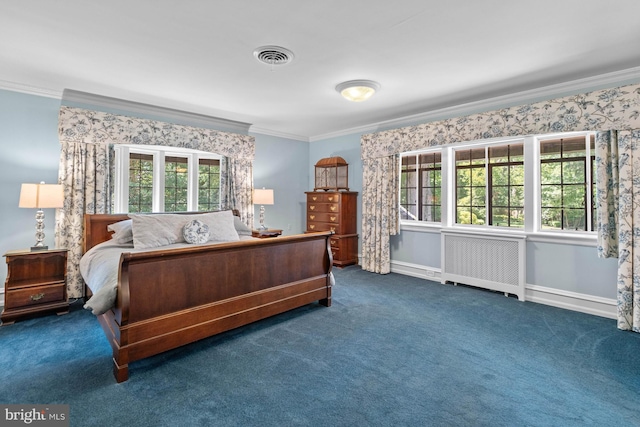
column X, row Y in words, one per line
column 196, row 232
column 122, row 231
column 241, row 227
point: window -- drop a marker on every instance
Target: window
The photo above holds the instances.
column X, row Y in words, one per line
column 537, row 183
column 490, row 185
column 567, row 183
column 208, row 184
column 140, row 182
column 163, row 179
column 421, row 187
column 176, row 184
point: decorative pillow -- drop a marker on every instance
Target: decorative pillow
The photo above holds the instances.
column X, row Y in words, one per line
column 196, row 232
column 241, row 227
column 122, row 231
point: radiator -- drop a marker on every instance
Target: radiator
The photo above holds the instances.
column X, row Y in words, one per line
column 495, row 261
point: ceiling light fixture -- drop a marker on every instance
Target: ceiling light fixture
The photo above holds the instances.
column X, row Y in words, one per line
column 358, row 90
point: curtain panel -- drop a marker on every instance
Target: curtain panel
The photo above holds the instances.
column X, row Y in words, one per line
column 86, row 139
column 618, row 207
column 607, row 111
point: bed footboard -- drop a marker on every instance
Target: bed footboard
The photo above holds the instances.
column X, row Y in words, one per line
column 167, row 299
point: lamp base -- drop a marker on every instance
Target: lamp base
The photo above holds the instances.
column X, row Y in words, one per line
column 39, row 248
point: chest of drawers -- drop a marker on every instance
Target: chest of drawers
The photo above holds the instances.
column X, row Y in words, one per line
column 335, row 211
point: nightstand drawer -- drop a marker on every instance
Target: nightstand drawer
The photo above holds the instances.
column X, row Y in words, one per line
column 35, row 295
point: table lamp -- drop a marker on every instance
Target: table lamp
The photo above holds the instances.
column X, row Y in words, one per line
column 41, row 196
column 262, row 197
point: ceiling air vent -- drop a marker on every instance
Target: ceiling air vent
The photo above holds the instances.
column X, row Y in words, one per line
column 273, row 55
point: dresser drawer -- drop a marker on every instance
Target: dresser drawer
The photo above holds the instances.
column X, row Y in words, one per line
column 35, row 295
column 323, row 207
column 324, row 226
column 323, row 198
column 323, row 217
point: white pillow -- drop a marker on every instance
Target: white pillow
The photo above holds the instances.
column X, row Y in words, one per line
column 155, row 230
column 122, row 231
column 196, row 232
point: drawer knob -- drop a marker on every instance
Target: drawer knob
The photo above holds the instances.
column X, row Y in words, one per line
column 332, row 207
column 312, row 217
column 330, row 198
column 314, row 198
column 332, row 218
column 333, row 229
column 311, row 226
column 37, row 297
column 312, row 207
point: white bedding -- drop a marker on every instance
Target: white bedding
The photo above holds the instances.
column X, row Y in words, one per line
column 99, row 269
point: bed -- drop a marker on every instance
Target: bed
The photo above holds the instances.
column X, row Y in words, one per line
column 170, row 296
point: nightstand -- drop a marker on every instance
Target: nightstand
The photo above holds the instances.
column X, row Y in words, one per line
column 262, row 234
column 36, row 283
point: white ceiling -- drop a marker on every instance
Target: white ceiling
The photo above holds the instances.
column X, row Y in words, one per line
column 197, row 55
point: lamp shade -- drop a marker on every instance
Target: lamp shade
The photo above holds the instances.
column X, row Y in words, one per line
column 41, row 196
column 263, row 196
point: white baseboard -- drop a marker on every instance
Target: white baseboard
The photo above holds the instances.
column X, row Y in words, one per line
column 590, row 304
column 416, row 270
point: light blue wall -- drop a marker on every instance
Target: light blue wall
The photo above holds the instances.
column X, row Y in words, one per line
column 281, row 164
column 30, row 153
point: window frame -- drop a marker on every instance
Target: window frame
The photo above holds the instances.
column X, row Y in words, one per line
column 159, row 153
column 418, row 188
column 532, row 192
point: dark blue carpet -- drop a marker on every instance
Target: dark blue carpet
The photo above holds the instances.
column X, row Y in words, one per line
column 391, row 351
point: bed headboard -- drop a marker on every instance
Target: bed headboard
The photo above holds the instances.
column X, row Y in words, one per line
column 95, row 227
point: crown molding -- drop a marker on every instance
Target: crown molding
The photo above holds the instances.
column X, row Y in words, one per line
column 602, row 81
column 184, row 117
column 30, row 90
column 263, row 131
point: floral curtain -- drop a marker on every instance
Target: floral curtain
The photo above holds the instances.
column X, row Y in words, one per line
column 86, row 137
column 616, row 109
column 618, row 206
column 236, row 177
column 84, row 174
column 380, row 218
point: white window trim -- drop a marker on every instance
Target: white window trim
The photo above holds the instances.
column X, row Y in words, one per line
column 159, row 153
column 532, row 227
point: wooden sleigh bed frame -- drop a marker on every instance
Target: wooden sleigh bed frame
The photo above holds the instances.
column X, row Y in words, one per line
column 173, row 297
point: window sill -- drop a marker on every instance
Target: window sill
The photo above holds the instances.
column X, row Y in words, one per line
column 562, row 238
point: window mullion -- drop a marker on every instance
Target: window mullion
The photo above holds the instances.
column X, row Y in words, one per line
column 192, row 185
column 158, row 181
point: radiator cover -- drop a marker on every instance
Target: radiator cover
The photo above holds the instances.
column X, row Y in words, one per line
column 490, row 261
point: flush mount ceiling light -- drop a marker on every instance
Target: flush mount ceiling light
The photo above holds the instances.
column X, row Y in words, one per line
column 358, row 90
column 273, row 55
